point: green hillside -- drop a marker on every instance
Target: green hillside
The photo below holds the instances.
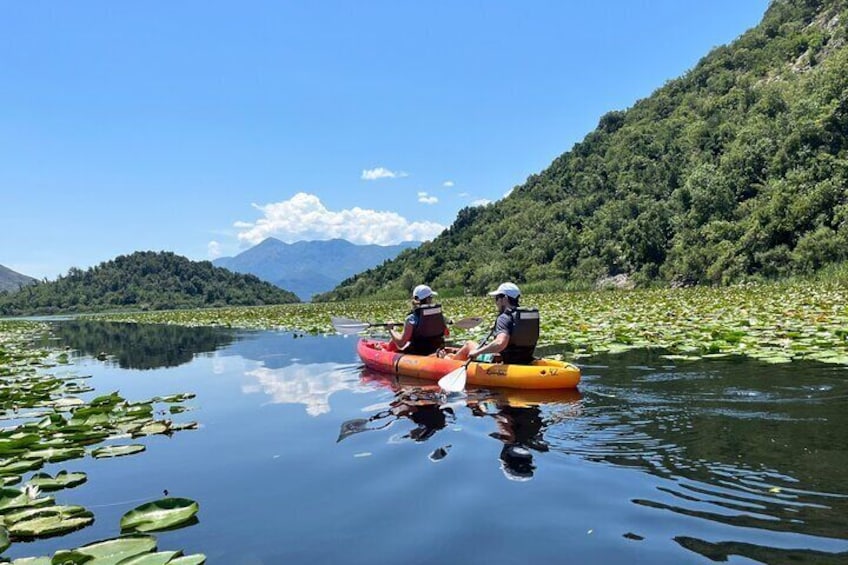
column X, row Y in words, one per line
column 736, row 170
column 144, row 280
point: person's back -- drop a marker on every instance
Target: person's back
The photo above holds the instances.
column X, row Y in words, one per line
column 425, row 327
column 515, row 333
column 428, row 332
column 523, row 328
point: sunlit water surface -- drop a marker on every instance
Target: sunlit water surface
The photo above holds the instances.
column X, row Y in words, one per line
column 303, row 456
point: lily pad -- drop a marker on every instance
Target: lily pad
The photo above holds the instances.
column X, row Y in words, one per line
column 117, row 451
column 33, row 561
column 50, row 521
column 63, row 479
column 195, row 559
column 158, row 558
column 54, row 455
column 159, row 515
column 4, row 539
column 108, row 552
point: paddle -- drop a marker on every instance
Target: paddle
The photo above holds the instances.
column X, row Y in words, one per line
column 347, row 326
column 455, row 380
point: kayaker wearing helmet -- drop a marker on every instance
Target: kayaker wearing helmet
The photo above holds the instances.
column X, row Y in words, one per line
column 516, row 331
column 424, row 329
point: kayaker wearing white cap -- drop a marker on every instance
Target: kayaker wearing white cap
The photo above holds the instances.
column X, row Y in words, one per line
column 516, row 331
column 424, row 329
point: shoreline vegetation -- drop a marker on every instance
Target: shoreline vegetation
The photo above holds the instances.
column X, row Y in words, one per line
column 775, row 322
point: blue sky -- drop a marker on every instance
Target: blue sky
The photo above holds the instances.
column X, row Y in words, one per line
column 203, row 127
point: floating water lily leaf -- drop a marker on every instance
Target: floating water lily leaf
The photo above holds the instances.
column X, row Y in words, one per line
column 63, row 479
column 4, row 539
column 33, row 561
column 108, row 552
column 159, row 515
column 16, row 442
column 44, row 522
column 157, row 427
column 195, row 559
column 158, row 558
column 21, row 465
column 54, row 455
column 183, row 426
column 176, row 397
column 117, row 450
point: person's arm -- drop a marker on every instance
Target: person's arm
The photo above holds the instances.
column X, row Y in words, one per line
column 401, row 339
column 495, row 346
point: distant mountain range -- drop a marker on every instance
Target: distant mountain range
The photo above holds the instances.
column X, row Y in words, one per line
column 309, row 267
column 12, row 281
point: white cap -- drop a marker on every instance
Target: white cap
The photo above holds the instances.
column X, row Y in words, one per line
column 422, row 292
column 508, row 289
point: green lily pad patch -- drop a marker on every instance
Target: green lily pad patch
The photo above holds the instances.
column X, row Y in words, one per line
column 63, row 479
column 117, row 451
column 108, row 552
column 47, row 521
column 159, row 515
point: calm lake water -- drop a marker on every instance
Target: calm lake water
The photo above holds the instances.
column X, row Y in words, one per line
column 303, row 456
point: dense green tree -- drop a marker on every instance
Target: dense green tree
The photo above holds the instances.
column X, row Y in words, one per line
column 144, row 280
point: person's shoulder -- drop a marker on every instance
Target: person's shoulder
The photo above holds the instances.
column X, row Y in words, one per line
column 411, row 319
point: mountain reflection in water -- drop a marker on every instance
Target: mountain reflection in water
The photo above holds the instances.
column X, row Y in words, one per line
column 140, row 346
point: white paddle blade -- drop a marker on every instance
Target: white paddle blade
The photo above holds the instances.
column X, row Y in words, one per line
column 346, row 326
column 468, row 323
column 454, row 381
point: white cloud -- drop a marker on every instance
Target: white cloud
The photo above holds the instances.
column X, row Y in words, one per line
column 447, row 184
column 463, row 195
column 213, row 249
column 424, row 198
column 381, row 173
column 508, row 192
column 481, row 202
column 304, row 217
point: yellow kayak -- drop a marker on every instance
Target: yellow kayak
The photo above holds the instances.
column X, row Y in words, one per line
column 542, row 374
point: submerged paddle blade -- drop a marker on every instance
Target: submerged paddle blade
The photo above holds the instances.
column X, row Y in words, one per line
column 454, row 381
column 468, row 323
column 346, row 326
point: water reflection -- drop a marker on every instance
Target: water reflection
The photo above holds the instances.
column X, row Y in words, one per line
column 140, row 346
column 735, row 442
column 519, row 421
column 720, row 457
column 307, row 384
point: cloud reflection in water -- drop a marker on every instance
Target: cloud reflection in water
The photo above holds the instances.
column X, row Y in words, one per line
column 311, row 384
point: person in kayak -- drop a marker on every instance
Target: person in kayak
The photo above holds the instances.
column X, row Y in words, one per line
column 425, row 328
column 516, row 331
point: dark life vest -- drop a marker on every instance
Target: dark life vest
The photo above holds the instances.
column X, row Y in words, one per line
column 522, row 340
column 428, row 334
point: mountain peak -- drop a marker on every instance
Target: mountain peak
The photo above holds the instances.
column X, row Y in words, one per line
column 309, row 267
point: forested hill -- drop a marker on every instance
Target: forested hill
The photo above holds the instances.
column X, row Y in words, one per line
column 143, row 280
column 738, row 169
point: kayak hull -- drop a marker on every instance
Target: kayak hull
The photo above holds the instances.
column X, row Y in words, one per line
column 542, row 374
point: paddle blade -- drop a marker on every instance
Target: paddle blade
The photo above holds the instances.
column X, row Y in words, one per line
column 468, row 323
column 454, row 381
column 346, row 326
